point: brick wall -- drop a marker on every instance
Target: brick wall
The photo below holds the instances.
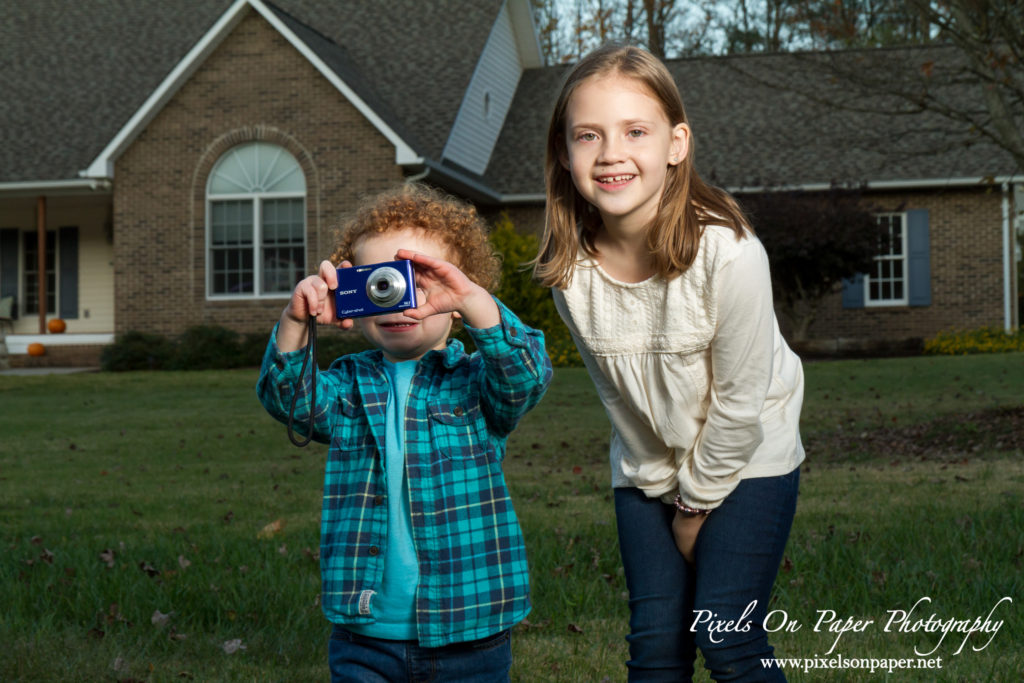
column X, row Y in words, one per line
column 965, row 230
column 254, row 86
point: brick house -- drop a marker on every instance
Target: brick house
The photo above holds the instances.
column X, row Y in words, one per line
column 185, row 162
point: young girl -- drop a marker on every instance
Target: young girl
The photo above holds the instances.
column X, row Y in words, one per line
column 666, row 292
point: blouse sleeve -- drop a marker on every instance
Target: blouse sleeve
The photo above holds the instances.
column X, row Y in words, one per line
column 741, row 358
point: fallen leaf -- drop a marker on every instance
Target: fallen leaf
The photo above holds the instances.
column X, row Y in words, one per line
column 183, row 563
column 159, row 619
column 270, row 530
column 149, row 569
column 232, row 646
column 573, row 628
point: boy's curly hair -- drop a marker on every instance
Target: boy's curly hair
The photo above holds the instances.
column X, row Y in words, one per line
column 413, row 205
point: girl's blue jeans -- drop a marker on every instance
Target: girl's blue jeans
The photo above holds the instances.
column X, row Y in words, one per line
column 737, row 557
column 356, row 658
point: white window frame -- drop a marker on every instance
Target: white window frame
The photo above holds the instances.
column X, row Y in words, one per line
column 258, row 197
column 902, row 258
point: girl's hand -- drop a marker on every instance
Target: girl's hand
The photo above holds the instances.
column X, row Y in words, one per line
column 443, row 288
column 685, row 530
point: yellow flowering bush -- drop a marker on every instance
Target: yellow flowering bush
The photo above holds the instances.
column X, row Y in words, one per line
column 979, row 340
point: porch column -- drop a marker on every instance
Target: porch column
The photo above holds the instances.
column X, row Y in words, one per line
column 41, row 247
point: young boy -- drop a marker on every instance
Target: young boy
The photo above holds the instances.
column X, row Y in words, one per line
column 422, row 559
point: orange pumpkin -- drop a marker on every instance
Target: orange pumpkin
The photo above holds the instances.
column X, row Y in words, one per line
column 56, row 325
column 36, row 349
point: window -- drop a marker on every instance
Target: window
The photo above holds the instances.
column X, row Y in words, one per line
column 902, row 272
column 256, row 222
column 31, row 272
column 886, row 283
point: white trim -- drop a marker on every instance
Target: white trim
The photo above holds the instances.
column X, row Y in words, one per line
column 56, row 186
column 909, row 184
column 103, row 165
column 17, row 344
column 531, row 55
column 1008, row 301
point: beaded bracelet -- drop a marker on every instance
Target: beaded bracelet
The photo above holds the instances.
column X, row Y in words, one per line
column 687, row 510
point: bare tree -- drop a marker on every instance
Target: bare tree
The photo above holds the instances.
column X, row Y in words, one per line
column 964, row 87
column 990, row 35
column 667, row 28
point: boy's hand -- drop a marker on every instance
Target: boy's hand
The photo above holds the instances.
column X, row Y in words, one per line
column 312, row 297
column 443, row 288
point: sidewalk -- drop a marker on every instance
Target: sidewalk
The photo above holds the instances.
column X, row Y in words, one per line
column 45, row 371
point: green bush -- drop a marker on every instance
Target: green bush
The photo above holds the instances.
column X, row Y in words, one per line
column 531, row 302
column 207, row 347
column 204, row 347
column 980, row 340
column 137, row 351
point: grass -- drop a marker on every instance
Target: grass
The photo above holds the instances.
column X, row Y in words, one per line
column 160, row 527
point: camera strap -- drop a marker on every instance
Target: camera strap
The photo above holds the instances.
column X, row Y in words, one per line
column 310, row 353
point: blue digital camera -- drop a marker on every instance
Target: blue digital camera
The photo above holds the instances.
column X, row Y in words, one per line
column 375, row 289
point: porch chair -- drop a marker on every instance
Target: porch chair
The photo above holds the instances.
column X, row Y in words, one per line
column 6, row 306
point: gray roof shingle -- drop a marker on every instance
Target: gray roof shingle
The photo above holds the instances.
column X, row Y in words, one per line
column 74, row 73
column 766, row 120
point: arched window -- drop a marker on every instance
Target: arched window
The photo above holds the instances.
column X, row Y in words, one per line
column 256, row 222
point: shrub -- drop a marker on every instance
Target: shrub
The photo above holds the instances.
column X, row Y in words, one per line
column 980, row 340
column 207, row 347
column 527, row 299
column 137, row 351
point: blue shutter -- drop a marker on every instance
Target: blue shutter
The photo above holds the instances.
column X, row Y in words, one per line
column 9, row 266
column 853, row 291
column 919, row 266
column 67, row 279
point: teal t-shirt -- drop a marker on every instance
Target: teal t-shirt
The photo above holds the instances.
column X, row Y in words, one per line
column 394, row 605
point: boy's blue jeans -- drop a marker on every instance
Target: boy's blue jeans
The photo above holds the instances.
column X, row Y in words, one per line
column 737, row 558
column 356, row 658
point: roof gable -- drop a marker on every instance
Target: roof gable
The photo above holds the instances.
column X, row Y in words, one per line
column 102, row 165
column 76, row 103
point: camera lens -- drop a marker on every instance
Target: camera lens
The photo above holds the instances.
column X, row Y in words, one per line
column 385, row 287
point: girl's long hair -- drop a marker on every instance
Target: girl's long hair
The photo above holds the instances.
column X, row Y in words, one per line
column 687, row 203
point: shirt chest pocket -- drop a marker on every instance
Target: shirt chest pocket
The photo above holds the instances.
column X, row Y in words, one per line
column 457, row 431
column 353, row 432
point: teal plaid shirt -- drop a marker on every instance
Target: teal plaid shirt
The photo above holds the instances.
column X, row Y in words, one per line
column 474, row 580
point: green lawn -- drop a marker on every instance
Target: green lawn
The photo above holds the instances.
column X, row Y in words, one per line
column 160, row 527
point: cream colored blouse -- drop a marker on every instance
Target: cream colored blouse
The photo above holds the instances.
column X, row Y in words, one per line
column 700, row 386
